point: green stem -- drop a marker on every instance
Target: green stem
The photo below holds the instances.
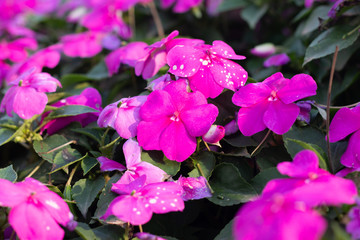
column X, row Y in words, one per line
column 337, row 107
column 202, row 174
column 261, row 143
column 351, row 32
column 35, row 169
column 104, row 136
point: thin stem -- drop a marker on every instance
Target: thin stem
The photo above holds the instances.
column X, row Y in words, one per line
column 261, row 143
column 132, row 20
column 351, row 32
column 59, row 147
column 207, row 146
column 328, row 106
column 35, row 169
column 127, row 232
column 140, row 227
column 68, row 183
column 338, row 107
column 202, row 174
column 104, row 136
column 157, row 20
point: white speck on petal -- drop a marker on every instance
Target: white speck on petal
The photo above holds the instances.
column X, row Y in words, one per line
column 47, row 228
column 134, row 209
column 138, row 212
column 162, row 202
column 182, row 66
column 164, row 208
column 175, row 200
column 244, row 76
column 205, row 62
column 152, row 201
column 172, row 204
column 52, row 204
column 174, row 67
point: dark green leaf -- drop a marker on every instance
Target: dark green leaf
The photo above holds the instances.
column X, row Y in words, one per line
column 252, row 14
column 49, row 147
column 8, row 173
column 109, row 232
column 6, row 135
column 226, row 232
column 99, row 72
column 70, row 110
column 260, row 180
column 157, row 159
column 73, row 78
column 94, row 133
column 88, row 163
column 207, row 161
column 325, row 43
column 65, row 158
column 313, row 21
column 85, row 232
column 229, row 5
column 229, row 187
column 85, row 191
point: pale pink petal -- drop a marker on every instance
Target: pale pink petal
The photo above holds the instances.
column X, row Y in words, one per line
column 199, row 119
column 137, row 184
column 126, row 122
column 176, row 143
column 251, row 94
column 10, row 194
column 214, row 135
column 84, row 45
column 300, row 86
column 153, row 173
column 276, row 81
column 279, row 117
column 28, row 102
column 153, row 64
column 345, row 122
column 194, row 188
column 132, row 152
column 263, row 50
column 109, row 165
column 221, row 49
column 43, row 82
column 184, row 61
column 277, row 60
column 250, row 120
column 148, row 133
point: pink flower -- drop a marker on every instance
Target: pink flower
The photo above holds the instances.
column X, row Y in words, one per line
column 123, row 116
column 88, row 97
column 278, row 217
column 347, row 122
column 137, row 201
column 109, row 165
column 194, row 188
column 15, row 50
column 86, row 44
column 308, row 180
column 353, row 226
column 136, row 167
column 269, row 104
column 277, row 60
column 214, row 135
column 181, row 6
column 26, row 96
column 161, row 82
column 36, row 212
column 208, row 68
column 172, row 118
column 147, row 236
column 128, row 54
column 263, row 50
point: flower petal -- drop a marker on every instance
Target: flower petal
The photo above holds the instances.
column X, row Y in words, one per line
column 250, row 120
column 11, row 194
column 158, row 105
column 203, row 81
column 251, row 94
column 132, row 152
column 222, row 49
column 148, row 133
column 304, row 162
column 279, row 117
column 345, row 122
column 184, row 61
column 351, row 156
column 28, row 102
column 109, row 165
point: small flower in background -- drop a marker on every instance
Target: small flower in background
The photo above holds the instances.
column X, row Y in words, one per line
column 137, row 201
column 172, row 118
column 212, row 7
column 89, row 97
column 305, row 108
column 107, row 164
column 277, row 60
column 263, row 50
column 214, row 135
column 231, row 127
column 26, row 96
column 135, row 167
column 123, row 116
column 15, row 51
column 36, row 212
column 207, row 67
column 181, row 6
column 147, row 236
column 269, row 104
column 194, row 188
column 353, row 226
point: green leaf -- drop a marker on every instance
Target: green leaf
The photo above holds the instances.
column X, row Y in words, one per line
column 85, row 232
column 229, row 187
column 325, row 43
column 312, row 22
column 73, row 78
column 207, row 161
column 106, row 197
column 88, row 163
column 65, row 158
column 229, row 5
column 6, row 135
column 8, row 173
column 226, row 232
column 70, row 110
column 85, row 191
column 339, row 233
column 109, row 232
column 252, row 14
column 99, row 72
column 49, row 147
column 261, row 179
column 93, row 133
column 157, row 159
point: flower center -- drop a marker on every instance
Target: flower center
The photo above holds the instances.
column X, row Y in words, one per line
column 272, row 96
column 175, row 117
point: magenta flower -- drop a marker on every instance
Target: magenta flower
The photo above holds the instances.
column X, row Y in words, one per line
column 269, row 104
column 128, row 54
column 308, row 180
column 147, row 236
column 88, row 97
column 4, row 69
column 86, row 44
column 208, row 68
column 107, row 164
column 277, row 60
column 36, row 212
column 214, row 135
column 278, row 217
column 172, row 118
column 26, row 96
column 194, row 188
column 263, row 50
column 123, row 116
column 181, row 6
column 161, row 82
column 136, row 167
column 137, row 201
column 345, row 123
column 16, row 50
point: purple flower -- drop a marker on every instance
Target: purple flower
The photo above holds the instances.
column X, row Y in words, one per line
column 214, row 135
column 269, row 104
column 263, row 50
column 353, row 226
column 208, row 68
column 172, row 118
column 308, row 180
column 305, row 108
column 137, row 201
column 123, row 116
column 277, row 60
column 181, row 6
column 26, row 96
column 88, row 97
column 194, row 188
column 109, row 165
column 278, row 217
column 36, row 212
column 147, row 236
